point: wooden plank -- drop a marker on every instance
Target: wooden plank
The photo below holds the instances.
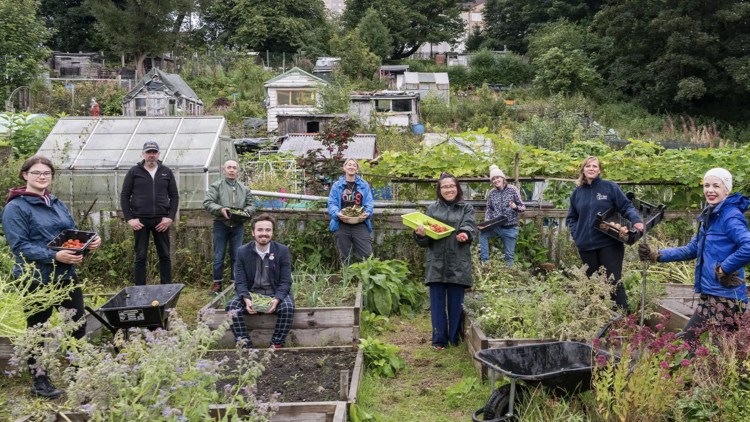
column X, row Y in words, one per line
column 678, row 289
column 359, row 364
column 341, row 415
column 303, row 318
column 677, row 320
column 299, row 337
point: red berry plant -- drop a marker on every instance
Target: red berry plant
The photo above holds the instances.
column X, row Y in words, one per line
column 322, row 165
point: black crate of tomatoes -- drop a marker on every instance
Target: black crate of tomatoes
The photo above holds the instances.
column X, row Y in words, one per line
column 614, row 225
column 72, row 240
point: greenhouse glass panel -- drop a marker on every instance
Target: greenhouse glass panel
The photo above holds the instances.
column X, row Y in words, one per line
column 190, row 141
column 100, row 141
column 187, row 158
column 90, row 187
column 102, row 159
column 159, row 126
column 192, row 187
column 61, row 186
column 77, row 126
column 62, row 149
column 117, row 126
column 201, row 125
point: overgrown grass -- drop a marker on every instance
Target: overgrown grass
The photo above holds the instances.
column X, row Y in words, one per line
column 435, row 385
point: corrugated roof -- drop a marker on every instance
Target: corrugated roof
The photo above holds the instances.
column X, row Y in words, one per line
column 361, row 147
column 173, row 82
column 394, row 68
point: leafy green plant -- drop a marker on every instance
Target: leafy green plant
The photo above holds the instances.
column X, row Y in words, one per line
column 386, row 286
column 529, row 249
column 26, row 134
column 374, row 323
column 457, row 394
column 381, row 358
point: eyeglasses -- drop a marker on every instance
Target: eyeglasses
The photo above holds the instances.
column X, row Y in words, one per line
column 446, row 187
column 38, row 174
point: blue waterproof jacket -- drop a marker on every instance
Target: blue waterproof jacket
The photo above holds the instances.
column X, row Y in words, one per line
column 29, row 224
column 589, row 199
column 334, row 200
column 726, row 242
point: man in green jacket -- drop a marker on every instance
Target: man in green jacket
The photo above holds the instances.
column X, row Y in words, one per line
column 222, row 196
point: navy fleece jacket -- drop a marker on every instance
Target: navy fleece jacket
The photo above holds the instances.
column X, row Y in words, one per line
column 589, row 199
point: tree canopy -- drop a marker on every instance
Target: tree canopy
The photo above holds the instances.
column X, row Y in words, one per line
column 411, row 23
column 22, row 35
column 71, row 24
column 140, row 27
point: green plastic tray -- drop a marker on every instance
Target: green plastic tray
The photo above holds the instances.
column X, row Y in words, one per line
column 414, row 219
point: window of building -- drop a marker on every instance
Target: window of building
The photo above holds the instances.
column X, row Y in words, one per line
column 301, row 97
column 396, row 105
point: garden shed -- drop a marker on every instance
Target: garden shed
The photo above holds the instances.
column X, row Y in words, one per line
column 362, row 147
column 393, row 74
column 93, row 154
column 428, row 85
column 161, row 94
column 394, row 108
column 79, row 65
column 294, row 91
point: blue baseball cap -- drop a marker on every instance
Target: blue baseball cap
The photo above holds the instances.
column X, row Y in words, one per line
column 150, row 146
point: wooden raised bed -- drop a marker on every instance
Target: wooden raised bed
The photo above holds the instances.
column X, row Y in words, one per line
column 311, row 327
column 323, row 411
column 476, row 340
column 680, row 302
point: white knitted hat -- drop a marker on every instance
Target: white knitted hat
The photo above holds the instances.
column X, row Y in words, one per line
column 494, row 171
column 723, row 175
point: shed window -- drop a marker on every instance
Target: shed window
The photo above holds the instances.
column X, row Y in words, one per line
column 295, row 97
column 386, row 106
column 313, row 127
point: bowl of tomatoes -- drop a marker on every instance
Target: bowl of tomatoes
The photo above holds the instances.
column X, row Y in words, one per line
column 72, row 240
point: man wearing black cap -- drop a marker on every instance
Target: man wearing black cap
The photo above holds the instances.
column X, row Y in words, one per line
column 149, row 200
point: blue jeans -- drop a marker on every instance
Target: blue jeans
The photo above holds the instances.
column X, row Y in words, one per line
column 445, row 326
column 223, row 236
column 508, row 236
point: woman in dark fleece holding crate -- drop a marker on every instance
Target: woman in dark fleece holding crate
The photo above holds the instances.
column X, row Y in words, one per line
column 594, row 195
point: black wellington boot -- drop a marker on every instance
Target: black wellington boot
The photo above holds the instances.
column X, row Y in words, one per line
column 42, row 387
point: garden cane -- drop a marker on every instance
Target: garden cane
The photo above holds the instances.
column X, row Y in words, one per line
column 643, row 287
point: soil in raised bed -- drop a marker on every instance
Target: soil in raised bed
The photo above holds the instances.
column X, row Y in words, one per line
column 300, row 376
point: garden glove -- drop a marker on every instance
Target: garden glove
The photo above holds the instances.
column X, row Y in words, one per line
column 728, row 280
column 645, row 253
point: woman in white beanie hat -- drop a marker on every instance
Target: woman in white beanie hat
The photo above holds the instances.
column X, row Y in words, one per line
column 722, row 248
column 504, row 201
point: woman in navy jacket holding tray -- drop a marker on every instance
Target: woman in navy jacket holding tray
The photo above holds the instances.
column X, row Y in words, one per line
column 722, row 249
column 32, row 218
column 594, row 195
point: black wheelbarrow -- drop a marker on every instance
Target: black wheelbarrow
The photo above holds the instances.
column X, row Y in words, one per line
column 138, row 306
column 564, row 366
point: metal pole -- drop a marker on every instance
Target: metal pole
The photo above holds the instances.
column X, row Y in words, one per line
column 644, row 240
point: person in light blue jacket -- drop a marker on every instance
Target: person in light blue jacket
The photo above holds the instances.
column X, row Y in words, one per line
column 722, row 248
column 353, row 236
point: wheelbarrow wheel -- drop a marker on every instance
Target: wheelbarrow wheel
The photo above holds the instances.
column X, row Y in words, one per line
column 497, row 406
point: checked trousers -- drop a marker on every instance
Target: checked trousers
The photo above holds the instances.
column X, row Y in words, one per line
column 284, row 311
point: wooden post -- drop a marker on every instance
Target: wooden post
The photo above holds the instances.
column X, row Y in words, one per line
column 515, row 170
column 283, row 61
column 343, row 385
column 268, row 61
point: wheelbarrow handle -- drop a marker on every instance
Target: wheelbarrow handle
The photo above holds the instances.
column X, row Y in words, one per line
column 102, row 320
column 607, row 326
